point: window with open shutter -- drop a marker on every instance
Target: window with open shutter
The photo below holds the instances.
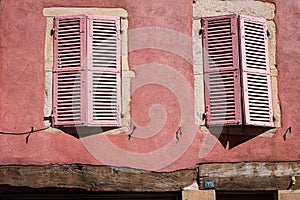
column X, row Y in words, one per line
column 236, row 71
column 221, row 70
column 86, row 76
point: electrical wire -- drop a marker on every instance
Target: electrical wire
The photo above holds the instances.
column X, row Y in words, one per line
column 24, row 133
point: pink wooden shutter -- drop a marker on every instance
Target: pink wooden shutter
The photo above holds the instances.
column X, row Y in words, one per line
column 68, row 77
column 221, row 70
column 255, row 72
column 104, row 53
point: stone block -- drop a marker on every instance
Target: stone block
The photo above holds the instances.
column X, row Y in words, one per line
column 198, row 195
column 245, row 7
column 288, row 194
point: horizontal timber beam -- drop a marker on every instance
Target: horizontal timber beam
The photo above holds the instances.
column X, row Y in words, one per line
column 245, row 176
column 250, row 176
column 94, row 178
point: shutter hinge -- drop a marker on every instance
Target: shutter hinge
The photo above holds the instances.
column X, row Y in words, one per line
column 200, row 31
column 52, row 32
column 268, row 33
column 49, row 118
column 204, row 116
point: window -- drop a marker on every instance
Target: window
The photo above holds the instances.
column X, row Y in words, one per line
column 236, row 71
column 87, row 73
column 246, row 195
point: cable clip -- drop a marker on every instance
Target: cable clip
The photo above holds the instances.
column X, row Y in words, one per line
column 27, row 137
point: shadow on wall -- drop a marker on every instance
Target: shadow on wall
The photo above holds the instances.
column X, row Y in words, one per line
column 231, row 136
column 84, row 131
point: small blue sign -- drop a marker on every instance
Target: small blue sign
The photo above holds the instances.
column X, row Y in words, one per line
column 209, row 184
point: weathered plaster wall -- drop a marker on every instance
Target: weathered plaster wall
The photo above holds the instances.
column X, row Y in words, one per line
column 23, row 77
column 154, row 145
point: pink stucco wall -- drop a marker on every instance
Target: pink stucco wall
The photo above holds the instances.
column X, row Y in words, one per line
column 22, row 87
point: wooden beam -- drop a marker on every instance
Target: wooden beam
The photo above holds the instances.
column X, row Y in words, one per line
column 250, row 176
column 95, row 178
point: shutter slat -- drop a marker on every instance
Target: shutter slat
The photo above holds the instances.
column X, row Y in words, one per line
column 221, row 70
column 256, row 72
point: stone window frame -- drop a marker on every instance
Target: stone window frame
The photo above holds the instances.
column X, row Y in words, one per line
column 202, row 8
column 126, row 73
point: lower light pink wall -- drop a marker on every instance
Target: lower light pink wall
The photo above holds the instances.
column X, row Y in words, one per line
column 159, row 108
